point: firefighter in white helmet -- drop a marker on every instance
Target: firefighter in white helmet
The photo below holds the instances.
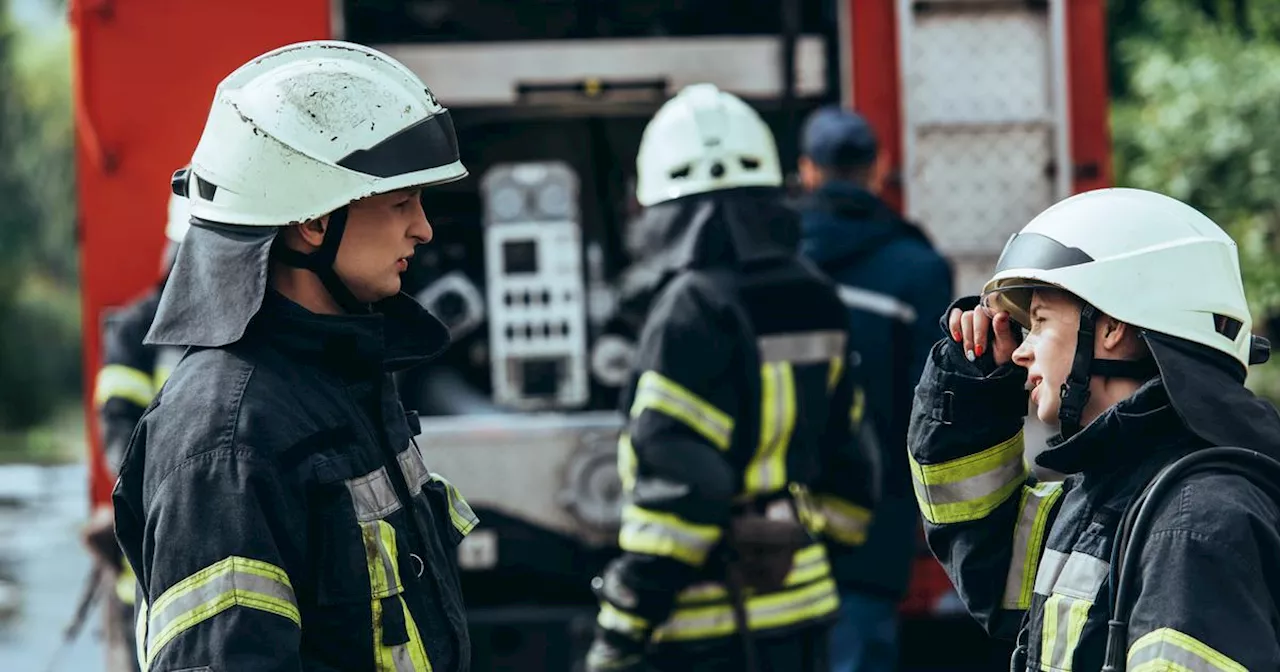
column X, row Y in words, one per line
column 741, row 451
column 131, row 375
column 272, row 500
column 1122, row 312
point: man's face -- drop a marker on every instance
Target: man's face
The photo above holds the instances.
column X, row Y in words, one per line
column 1048, row 349
column 379, row 240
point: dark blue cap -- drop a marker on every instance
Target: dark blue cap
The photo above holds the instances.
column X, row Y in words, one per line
column 837, row 138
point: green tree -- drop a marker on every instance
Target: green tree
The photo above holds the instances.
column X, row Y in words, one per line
column 39, row 316
column 17, row 215
column 1200, row 121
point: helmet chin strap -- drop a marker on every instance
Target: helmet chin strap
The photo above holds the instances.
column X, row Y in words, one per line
column 321, row 261
column 1075, row 391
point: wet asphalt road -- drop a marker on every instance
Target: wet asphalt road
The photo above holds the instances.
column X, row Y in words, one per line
column 41, row 511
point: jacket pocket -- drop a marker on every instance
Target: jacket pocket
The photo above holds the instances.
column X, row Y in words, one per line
column 1072, row 583
column 446, row 496
column 361, row 565
column 444, row 503
column 397, row 644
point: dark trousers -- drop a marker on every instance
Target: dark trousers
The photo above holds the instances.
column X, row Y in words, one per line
column 801, row 651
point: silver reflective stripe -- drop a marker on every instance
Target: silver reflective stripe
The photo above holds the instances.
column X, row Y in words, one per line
column 1082, row 576
column 657, row 392
column 1068, row 619
column 616, row 620
column 1028, row 538
column 699, row 622
column 810, row 347
column 140, row 632
column 1050, row 567
column 769, row 468
column 464, row 519
column 1067, row 609
column 641, row 529
column 415, row 471
column 372, row 495
column 206, row 598
column 400, row 655
column 875, row 302
column 1183, row 651
column 811, row 560
column 974, row 487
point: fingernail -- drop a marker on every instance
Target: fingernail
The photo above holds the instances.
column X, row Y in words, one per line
column 968, row 355
column 956, row 335
column 977, row 349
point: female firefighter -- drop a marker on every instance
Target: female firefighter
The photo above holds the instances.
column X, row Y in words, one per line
column 272, row 501
column 1122, row 312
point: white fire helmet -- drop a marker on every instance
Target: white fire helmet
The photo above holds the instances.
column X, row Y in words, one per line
column 1141, row 257
column 294, row 135
column 308, row 128
column 702, row 140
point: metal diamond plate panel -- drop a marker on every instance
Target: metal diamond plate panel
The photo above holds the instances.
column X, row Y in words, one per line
column 971, row 188
column 980, row 93
column 979, row 66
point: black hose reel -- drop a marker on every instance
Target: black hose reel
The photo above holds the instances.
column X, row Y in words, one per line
column 1262, row 470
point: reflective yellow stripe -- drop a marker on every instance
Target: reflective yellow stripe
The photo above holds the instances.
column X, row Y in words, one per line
column 161, row 377
column 1168, row 649
column 231, row 582
column 764, row 612
column 460, row 513
column 384, row 582
column 126, row 583
column 808, row 565
column 807, row 509
column 846, row 522
column 1028, row 541
column 117, row 381
column 616, row 620
column 659, row 393
column 834, row 371
column 140, row 636
column 626, row 463
column 665, row 534
column 767, row 471
column 858, row 408
column 970, row 487
column 1075, row 589
column 1064, row 619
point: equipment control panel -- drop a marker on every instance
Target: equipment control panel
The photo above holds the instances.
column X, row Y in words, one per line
column 535, row 288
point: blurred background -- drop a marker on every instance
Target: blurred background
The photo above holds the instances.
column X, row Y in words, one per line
column 988, row 112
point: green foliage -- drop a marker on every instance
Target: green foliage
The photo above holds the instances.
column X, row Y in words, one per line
column 40, row 361
column 39, row 297
column 16, row 232
column 1200, row 121
column 45, row 158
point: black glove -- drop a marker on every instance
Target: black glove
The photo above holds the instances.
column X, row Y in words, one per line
column 984, row 366
column 616, row 653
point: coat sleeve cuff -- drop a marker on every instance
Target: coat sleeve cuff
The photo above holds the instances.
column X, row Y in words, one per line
column 958, row 392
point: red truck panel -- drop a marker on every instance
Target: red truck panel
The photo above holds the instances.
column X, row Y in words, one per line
column 145, row 72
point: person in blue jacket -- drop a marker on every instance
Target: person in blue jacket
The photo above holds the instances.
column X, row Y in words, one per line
column 895, row 284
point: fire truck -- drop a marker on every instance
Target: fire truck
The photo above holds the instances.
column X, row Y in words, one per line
column 988, row 110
